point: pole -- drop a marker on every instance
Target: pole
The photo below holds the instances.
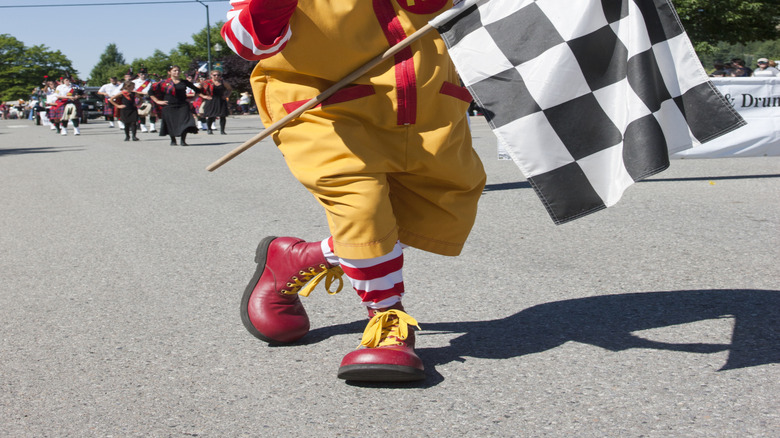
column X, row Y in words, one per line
column 322, row 96
column 208, row 33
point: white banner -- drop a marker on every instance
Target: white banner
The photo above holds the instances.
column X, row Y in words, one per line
column 757, row 100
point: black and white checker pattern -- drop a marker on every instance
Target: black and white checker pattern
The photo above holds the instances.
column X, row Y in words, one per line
column 586, row 96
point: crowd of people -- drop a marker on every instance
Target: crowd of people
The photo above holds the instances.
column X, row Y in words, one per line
column 183, row 104
column 737, row 68
column 177, row 101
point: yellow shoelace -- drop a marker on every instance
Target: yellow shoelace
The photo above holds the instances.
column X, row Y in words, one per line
column 386, row 325
column 308, row 280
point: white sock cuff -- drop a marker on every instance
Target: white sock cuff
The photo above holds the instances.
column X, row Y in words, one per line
column 330, row 257
column 396, row 252
column 384, row 304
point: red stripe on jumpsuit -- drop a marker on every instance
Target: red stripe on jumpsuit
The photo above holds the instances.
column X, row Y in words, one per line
column 405, row 78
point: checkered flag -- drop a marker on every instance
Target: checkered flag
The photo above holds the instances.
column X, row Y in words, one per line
column 586, row 96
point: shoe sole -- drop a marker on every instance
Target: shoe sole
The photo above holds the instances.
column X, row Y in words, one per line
column 260, row 258
column 380, row 373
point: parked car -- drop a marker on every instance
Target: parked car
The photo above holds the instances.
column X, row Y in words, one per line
column 91, row 104
column 90, row 109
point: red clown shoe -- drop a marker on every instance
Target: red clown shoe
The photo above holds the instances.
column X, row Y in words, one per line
column 386, row 353
column 286, row 267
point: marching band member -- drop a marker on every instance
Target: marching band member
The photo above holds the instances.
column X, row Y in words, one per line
column 215, row 93
column 67, row 94
column 129, row 76
column 198, row 106
column 171, row 95
column 142, row 86
column 389, row 158
column 195, row 100
column 192, row 96
column 49, row 100
column 128, row 112
column 108, row 91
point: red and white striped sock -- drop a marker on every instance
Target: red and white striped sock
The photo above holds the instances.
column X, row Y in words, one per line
column 378, row 281
column 327, row 251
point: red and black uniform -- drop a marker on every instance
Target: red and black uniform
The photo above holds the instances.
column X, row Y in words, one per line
column 217, row 106
column 128, row 112
column 176, row 115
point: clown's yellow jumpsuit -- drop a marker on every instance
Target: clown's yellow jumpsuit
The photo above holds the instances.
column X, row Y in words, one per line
column 388, row 157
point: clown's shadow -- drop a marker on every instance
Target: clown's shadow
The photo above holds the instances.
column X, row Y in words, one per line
column 608, row 322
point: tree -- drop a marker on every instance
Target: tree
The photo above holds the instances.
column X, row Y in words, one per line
column 750, row 52
column 709, row 22
column 110, row 61
column 198, row 49
column 237, row 71
column 157, row 64
column 188, row 56
column 24, row 68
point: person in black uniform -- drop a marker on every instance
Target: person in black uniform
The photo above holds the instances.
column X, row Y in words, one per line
column 171, row 96
column 128, row 112
column 215, row 93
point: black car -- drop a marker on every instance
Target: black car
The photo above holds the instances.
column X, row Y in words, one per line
column 91, row 104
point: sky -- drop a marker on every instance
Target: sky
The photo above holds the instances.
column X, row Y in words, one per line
column 82, row 33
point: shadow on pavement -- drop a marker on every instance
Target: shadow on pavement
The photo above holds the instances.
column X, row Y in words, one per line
column 608, row 322
column 711, row 178
column 191, row 143
column 41, row 150
column 526, row 185
column 506, row 186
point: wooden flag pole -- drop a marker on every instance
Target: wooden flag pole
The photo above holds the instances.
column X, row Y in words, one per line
column 321, row 97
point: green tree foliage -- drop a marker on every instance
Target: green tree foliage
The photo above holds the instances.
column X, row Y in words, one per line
column 709, row 22
column 198, row 49
column 237, row 71
column 23, row 68
column 157, row 64
column 750, row 52
column 189, row 56
column 110, row 62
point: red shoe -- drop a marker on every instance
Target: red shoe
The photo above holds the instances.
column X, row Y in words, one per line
column 286, row 267
column 386, row 353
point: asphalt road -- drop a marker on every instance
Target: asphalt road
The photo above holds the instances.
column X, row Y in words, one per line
column 122, row 267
